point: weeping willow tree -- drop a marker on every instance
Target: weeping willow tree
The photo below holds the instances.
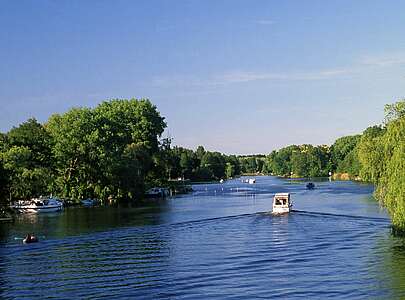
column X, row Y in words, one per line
column 391, row 185
column 382, row 156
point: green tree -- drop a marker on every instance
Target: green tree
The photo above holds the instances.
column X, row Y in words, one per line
column 4, row 185
column 32, row 135
column 229, row 170
column 341, row 148
column 394, row 111
column 390, row 175
column 92, row 145
column 24, row 181
column 370, row 152
column 215, row 162
column 27, row 160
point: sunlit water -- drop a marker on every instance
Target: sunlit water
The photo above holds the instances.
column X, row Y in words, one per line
column 217, row 243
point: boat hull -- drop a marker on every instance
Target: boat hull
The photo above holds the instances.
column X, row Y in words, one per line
column 48, row 209
column 281, row 210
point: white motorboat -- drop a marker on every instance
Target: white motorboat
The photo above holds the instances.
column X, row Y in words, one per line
column 252, row 181
column 38, row 205
column 282, row 203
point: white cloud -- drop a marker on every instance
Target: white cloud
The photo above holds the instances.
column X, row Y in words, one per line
column 246, row 76
column 363, row 65
column 232, row 77
column 265, row 22
column 390, row 59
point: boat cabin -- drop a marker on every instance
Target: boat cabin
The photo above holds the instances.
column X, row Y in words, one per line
column 282, row 203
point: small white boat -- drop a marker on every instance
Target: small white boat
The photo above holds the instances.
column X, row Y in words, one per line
column 157, row 192
column 252, row 181
column 38, row 205
column 282, row 203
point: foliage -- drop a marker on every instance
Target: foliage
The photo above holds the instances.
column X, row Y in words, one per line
column 394, row 111
column 370, row 152
column 114, row 150
column 252, row 164
column 26, row 158
column 202, row 165
column 300, row 161
column 341, row 149
column 106, row 151
column 388, row 165
column 4, row 183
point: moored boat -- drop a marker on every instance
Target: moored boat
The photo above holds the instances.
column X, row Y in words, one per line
column 157, row 192
column 281, row 203
column 89, row 202
column 38, row 205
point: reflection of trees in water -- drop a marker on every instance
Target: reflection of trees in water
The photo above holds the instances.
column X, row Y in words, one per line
column 75, row 221
column 105, row 251
column 133, row 257
column 390, row 259
column 4, row 229
column 2, row 277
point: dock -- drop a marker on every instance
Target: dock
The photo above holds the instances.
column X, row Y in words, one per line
column 6, row 220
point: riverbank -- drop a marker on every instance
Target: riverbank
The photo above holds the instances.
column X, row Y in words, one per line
column 346, row 177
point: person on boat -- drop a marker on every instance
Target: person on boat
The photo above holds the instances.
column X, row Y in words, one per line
column 30, row 238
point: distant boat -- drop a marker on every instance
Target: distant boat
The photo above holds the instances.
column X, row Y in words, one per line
column 310, row 186
column 89, row 202
column 38, row 205
column 157, row 192
column 252, row 181
column 281, row 203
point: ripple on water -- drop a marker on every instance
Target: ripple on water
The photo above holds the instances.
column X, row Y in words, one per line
column 300, row 255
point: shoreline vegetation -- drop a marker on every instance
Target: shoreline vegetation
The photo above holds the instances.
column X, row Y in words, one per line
column 115, row 151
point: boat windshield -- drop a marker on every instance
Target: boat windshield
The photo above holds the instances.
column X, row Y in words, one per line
column 280, row 202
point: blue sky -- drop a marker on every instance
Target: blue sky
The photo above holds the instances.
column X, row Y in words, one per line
column 235, row 76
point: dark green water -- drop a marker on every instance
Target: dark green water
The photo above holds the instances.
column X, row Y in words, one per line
column 215, row 243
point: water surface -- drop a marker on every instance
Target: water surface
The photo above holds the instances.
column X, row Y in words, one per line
column 216, row 243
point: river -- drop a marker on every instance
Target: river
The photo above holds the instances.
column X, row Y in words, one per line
column 215, row 243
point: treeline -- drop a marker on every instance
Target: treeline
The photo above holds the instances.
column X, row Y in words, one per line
column 112, row 151
column 381, row 152
column 115, row 151
column 376, row 156
column 315, row 161
column 201, row 165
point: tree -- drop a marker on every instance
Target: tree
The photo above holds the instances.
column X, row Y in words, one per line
column 299, row 164
column 200, row 152
column 24, row 181
column 4, row 185
column 91, row 147
column 389, row 175
column 394, row 111
column 215, row 162
column 229, row 170
column 33, row 135
column 27, row 159
column 341, row 148
column 370, row 152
